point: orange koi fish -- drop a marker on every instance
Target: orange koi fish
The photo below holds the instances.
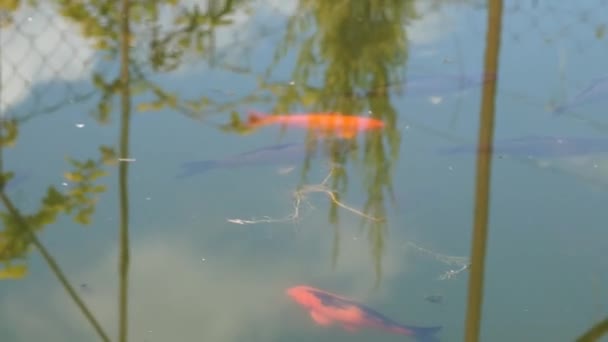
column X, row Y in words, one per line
column 327, row 308
column 344, row 126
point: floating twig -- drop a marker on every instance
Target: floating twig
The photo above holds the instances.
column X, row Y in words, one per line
column 299, row 196
column 462, row 262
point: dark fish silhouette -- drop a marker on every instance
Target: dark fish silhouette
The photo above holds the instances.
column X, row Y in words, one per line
column 584, row 158
column 269, row 155
column 538, row 146
column 282, row 153
column 595, row 91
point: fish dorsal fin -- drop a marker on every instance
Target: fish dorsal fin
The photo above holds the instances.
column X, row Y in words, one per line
column 320, row 318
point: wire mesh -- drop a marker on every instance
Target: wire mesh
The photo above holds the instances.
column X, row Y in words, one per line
column 39, row 52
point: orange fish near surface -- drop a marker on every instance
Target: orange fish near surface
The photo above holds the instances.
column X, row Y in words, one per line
column 343, row 126
column 326, row 308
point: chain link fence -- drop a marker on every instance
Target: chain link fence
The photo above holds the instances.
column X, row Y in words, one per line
column 47, row 63
column 39, row 52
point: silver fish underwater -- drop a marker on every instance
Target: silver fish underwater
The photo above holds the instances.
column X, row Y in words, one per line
column 581, row 157
column 280, row 154
column 537, row 146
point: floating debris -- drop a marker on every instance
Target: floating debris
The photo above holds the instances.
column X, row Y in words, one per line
column 436, row 299
column 435, row 99
column 285, row 170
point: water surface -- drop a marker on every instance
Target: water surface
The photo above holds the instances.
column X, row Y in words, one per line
column 211, row 255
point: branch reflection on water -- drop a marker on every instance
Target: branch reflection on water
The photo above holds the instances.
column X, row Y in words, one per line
column 345, row 49
column 107, row 26
column 363, row 46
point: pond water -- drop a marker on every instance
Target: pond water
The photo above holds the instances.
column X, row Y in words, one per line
column 223, row 218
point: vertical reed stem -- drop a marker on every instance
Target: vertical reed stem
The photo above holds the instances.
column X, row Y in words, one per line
column 125, row 100
column 484, row 160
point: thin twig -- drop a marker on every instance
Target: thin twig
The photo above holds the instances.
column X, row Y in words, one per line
column 300, row 196
column 462, row 262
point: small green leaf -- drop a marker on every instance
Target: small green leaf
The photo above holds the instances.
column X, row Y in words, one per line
column 55, row 199
column 13, row 272
column 98, row 189
column 9, row 133
column 150, row 106
column 98, row 81
column 97, row 173
column 108, row 155
column 73, row 176
column 84, row 216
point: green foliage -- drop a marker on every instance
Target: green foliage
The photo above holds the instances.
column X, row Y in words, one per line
column 10, row 131
column 161, row 46
column 235, row 125
column 98, row 20
column 78, row 201
column 13, row 271
column 190, row 31
column 354, row 47
column 162, row 100
column 7, row 7
column 107, row 90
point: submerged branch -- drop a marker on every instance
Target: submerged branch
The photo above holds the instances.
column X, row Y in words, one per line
column 46, row 255
column 462, row 262
column 299, row 196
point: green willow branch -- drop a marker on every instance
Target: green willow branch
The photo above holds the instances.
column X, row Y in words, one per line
column 123, row 265
column 228, row 4
column 54, row 267
column 484, row 170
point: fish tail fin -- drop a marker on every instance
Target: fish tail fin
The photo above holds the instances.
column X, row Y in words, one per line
column 190, row 169
column 254, row 117
column 424, row 334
